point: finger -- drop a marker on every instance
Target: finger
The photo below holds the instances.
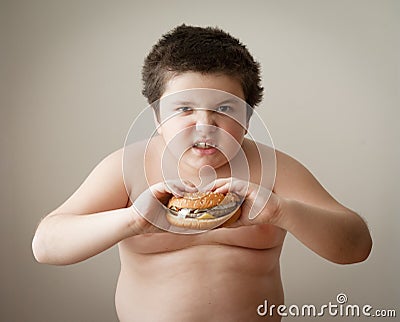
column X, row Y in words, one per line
column 259, row 202
column 189, row 185
column 216, row 184
column 223, row 189
column 175, row 190
column 240, row 187
column 178, row 188
column 159, row 190
column 233, row 225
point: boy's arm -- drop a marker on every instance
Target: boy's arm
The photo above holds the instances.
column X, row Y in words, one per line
column 300, row 205
column 315, row 218
column 93, row 219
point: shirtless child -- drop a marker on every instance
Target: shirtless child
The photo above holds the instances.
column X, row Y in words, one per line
column 222, row 274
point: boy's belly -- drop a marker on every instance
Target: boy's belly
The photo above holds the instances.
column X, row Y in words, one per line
column 210, row 277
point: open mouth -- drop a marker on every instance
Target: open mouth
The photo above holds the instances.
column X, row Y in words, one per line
column 204, row 145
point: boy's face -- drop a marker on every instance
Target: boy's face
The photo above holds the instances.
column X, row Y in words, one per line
column 203, row 118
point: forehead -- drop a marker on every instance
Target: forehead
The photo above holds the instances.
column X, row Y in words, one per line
column 191, row 80
column 200, row 98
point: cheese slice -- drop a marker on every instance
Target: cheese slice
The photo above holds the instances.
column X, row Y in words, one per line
column 206, row 215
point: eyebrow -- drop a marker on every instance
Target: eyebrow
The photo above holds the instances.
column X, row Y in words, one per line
column 220, row 103
column 182, row 103
column 231, row 100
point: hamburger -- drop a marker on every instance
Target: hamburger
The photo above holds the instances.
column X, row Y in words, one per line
column 203, row 210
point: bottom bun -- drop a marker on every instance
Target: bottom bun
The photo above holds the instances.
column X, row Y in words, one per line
column 203, row 224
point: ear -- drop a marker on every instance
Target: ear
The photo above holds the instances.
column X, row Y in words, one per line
column 246, row 128
column 157, row 122
column 249, row 114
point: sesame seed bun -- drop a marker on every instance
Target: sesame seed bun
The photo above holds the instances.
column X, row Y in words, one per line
column 214, row 209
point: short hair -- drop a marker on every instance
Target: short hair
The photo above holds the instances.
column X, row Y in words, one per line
column 206, row 50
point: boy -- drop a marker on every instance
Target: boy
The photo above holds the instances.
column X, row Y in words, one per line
column 222, row 274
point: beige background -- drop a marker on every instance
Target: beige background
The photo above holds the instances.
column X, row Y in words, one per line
column 70, row 88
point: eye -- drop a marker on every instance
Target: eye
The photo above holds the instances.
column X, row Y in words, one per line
column 184, row 109
column 224, row 109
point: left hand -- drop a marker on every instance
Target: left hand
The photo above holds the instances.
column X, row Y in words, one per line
column 260, row 205
column 149, row 207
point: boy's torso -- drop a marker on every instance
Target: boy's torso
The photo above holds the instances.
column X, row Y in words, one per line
column 220, row 275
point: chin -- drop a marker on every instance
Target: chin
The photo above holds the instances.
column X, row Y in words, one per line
column 197, row 161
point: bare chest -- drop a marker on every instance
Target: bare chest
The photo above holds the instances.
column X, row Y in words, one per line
column 251, row 237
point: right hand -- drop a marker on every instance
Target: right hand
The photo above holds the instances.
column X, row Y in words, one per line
column 149, row 207
column 260, row 205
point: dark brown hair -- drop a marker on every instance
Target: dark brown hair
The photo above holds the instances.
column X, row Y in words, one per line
column 206, row 50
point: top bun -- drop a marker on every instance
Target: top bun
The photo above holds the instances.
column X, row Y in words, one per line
column 199, row 200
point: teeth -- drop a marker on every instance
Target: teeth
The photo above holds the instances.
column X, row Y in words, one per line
column 203, row 145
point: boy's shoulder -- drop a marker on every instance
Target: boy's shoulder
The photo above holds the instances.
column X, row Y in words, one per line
column 287, row 166
column 293, row 180
column 283, row 160
column 290, row 174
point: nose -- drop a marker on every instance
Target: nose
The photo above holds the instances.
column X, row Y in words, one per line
column 205, row 122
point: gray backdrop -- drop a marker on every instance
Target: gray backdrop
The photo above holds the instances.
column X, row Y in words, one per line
column 70, row 88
